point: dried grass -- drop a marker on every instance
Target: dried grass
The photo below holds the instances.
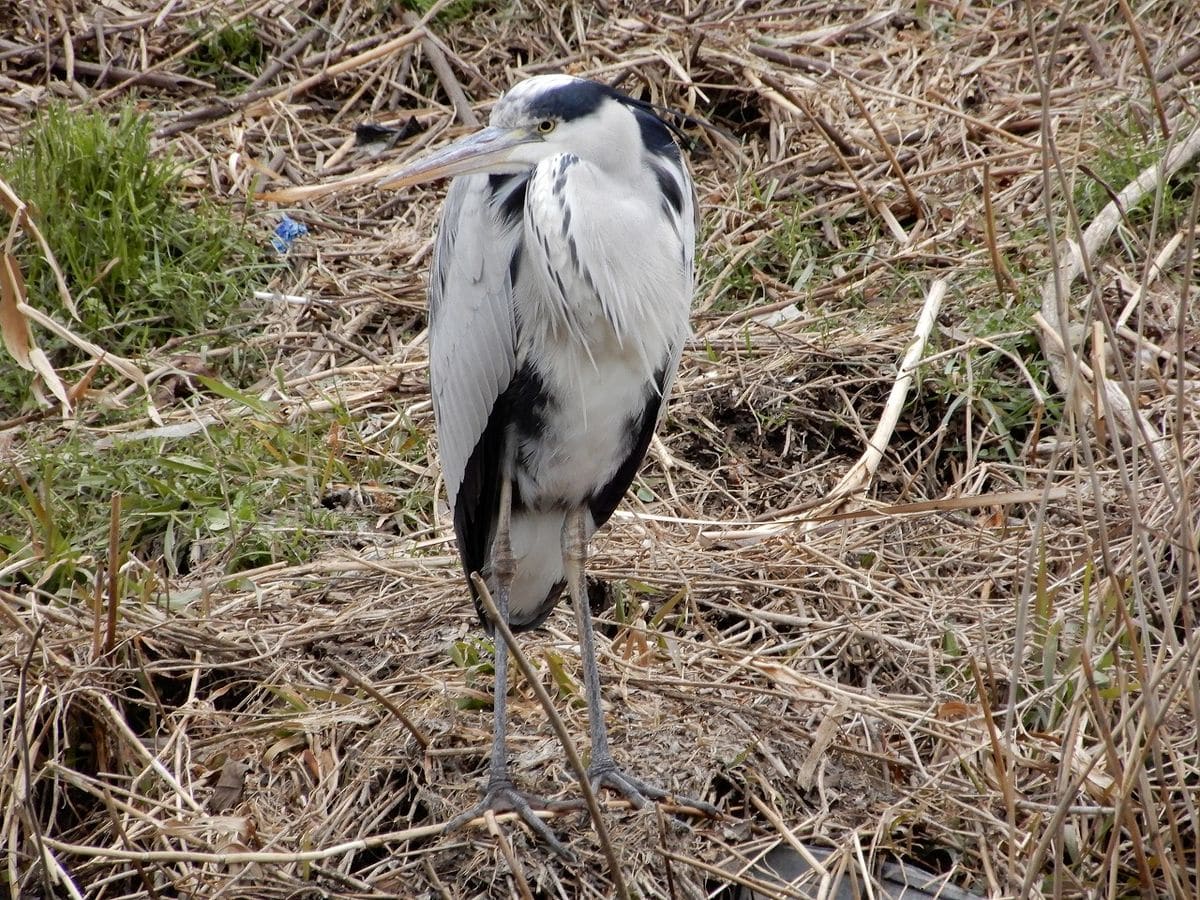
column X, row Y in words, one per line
column 985, row 665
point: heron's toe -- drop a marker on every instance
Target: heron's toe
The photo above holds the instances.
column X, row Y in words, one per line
column 608, row 774
column 503, row 796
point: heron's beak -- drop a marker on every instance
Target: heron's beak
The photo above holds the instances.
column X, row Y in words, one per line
column 489, row 150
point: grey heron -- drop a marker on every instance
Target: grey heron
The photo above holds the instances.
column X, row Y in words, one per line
column 559, row 297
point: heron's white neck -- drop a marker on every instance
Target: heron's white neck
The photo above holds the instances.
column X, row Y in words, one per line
column 617, row 149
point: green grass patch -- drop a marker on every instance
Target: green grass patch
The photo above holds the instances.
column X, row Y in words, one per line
column 1120, row 155
column 1088, row 638
column 228, row 55
column 1005, row 382
column 459, row 9
column 142, row 266
column 790, row 248
column 237, row 495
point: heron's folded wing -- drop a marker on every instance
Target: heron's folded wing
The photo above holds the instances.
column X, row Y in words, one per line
column 472, row 353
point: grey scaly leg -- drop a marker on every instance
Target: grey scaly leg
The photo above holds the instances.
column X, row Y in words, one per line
column 603, row 770
column 501, row 795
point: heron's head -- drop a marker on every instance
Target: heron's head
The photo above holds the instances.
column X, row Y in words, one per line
column 543, row 117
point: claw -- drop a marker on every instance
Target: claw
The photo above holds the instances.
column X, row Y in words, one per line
column 503, row 796
column 607, row 774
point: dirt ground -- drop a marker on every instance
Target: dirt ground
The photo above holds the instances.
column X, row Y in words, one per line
column 973, row 650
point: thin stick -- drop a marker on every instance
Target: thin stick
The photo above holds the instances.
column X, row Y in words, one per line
column 860, row 475
column 1144, row 57
column 139, row 749
column 506, row 850
column 348, row 672
column 1156, row 268
column 245, row 858
column 772, row 815
column 26, row 758
column 1005, row 283
column 746, row 536
column 114, row 571
column 914, row 202
column 999, row 759
column 292, row 91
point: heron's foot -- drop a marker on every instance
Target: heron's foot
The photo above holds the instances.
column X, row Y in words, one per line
column 503, row 796
column 606, row 773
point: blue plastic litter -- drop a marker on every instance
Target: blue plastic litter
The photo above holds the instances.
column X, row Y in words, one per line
column 286, row 233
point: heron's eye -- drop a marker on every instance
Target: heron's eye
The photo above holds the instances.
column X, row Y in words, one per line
column 546, row 126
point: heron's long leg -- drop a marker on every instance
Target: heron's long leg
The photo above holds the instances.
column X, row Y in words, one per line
column 501, row 794
column 504, row 567
column 603, row 770
column 574, row 560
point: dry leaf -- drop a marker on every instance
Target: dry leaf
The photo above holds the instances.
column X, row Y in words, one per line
column 230, row 785
column 14, row 327
column 953, row 710
column 42, row 366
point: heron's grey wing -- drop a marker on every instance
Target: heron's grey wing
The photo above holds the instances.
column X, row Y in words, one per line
column 472, row 352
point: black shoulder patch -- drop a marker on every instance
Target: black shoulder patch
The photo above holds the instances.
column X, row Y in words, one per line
column 656, row 136
column 527, row 398
column 519, row 410
column 669, row 188
column 514, row 267
column 477, row 506
column 508, row 196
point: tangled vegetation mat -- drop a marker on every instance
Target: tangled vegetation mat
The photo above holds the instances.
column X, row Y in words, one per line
column 910, row 574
